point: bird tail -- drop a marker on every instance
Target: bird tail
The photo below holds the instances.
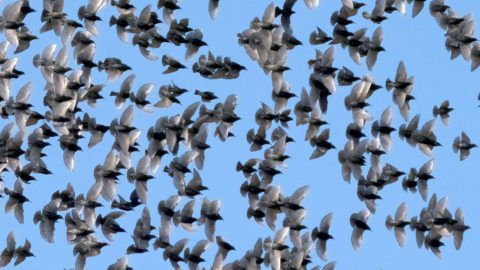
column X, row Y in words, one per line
column 375, row 128
column 314, row 233
column 101, row 65
column 250, row 135
column 388, row 222
column 131, row 174
column 404, row 184
column 186, row 254
column 195, row 68
column 135, row 39
column 243, row 187
column 278, row 11
column 389, row 84
column 413, row 223
column 313, row 38
column 49, row 116
column 196, row 92
column 113, row 126
column 402, row 131
column 37, row 60
column 37, row 217
column 81, row 12
column 100, row 220
column 475, row 63
column 113, row 20
column 45, row 14
column 132, row 97
column 176, row 218
column 115, row 204
column 250, row 212
column 150, row 133
column 456, row 144
column 203, row 110
column 79, row 201
column 157, row 244
column 435, row 111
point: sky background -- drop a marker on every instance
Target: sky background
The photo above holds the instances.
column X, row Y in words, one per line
column 419, row 42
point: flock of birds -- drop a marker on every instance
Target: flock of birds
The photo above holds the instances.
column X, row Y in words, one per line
column 183, row 139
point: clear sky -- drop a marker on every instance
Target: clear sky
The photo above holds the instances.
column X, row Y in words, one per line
column 419, row 42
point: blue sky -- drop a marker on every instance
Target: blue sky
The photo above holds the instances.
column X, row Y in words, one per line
column 419, row 42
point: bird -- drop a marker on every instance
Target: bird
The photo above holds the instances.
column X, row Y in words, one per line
column 377, row 15
column 77, row 228
column 193, row 257
column 206, row 96
column 346, row 77
column 166, row 209
column 194, row 42
column 223, row 249
column 16, row 200
column 398, row 223
column 383, row 129
column 124, row 93
column 258, row 139
column 213, row 8
column 352, row 159
column 47, row 219
column 140, row 97
column 23, row 252
column 8, row 253
column 425, row 138
column 319, row 37
column 459, row 228
column 142, row 40
column 433, row 242
column 171, row 63
column 321, row 144
column 25, row 37
column 275, row 246
column 88, row 248
column 443, row 111
column 139, row 175
column 402, row 89
column 374, row 47
column 172, row 253
column 169, row 6
column 120, row 264
column 463, row 145
column 141, row 234
column 10, row 22
column 359, row 224
column 417, row 7
column 109, row 224
column 209, row 215
column 321, row 235
column 424, row 174
column 114, row 67
column 195, row 186
column 168, row 95
column 175, row 132
column 89, row 203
